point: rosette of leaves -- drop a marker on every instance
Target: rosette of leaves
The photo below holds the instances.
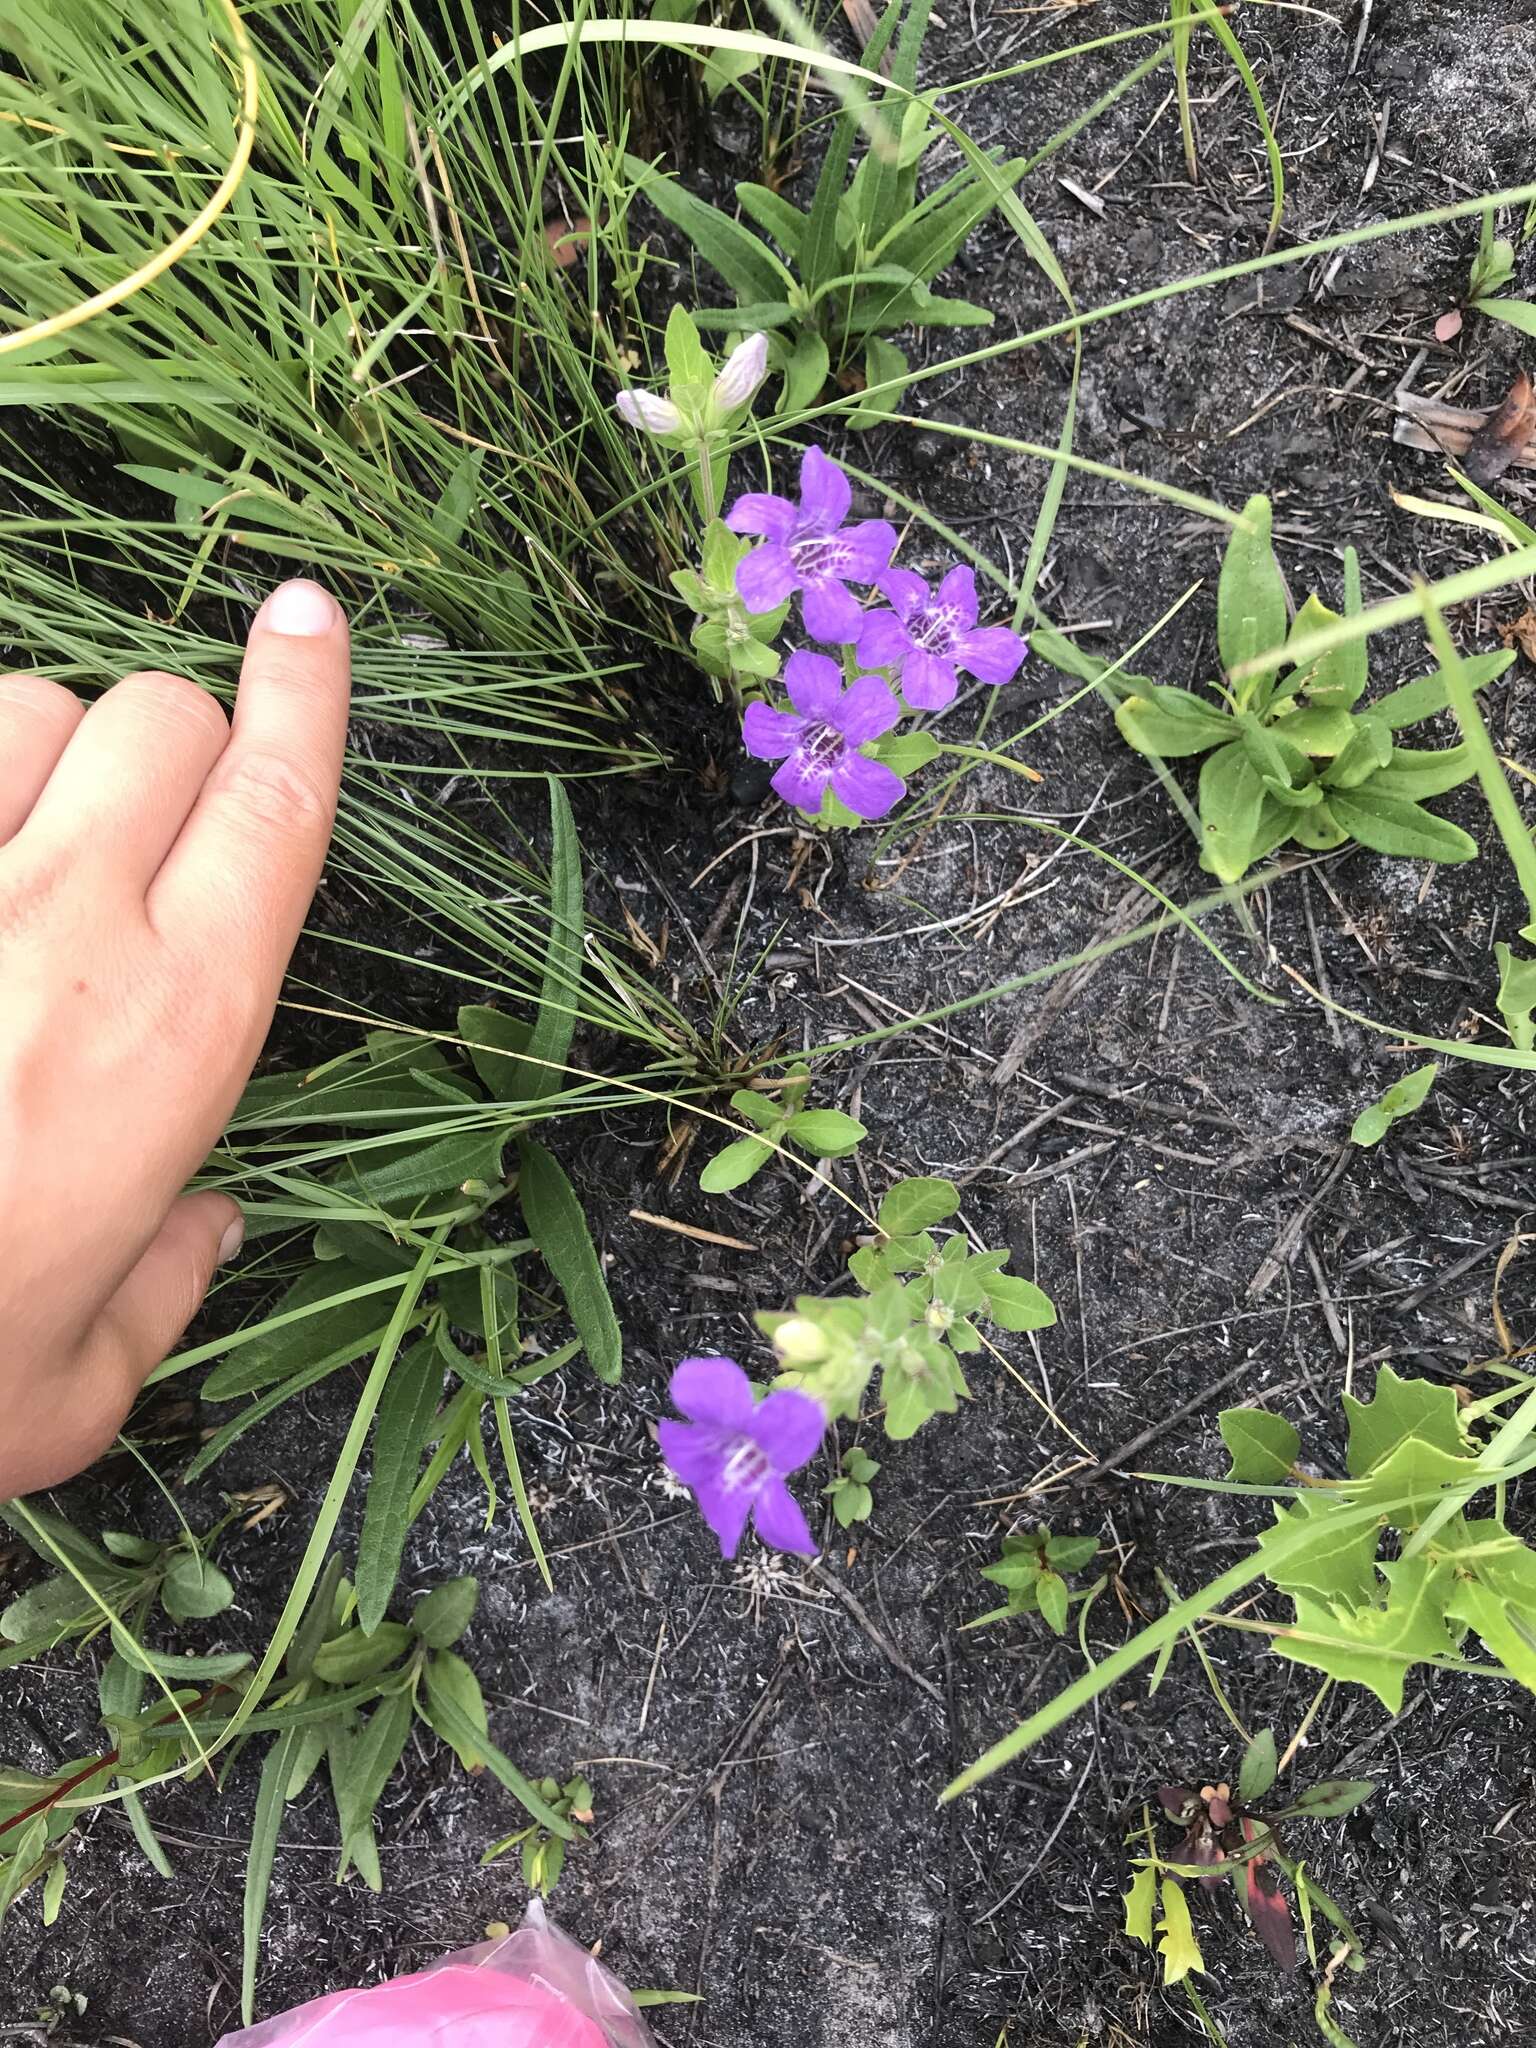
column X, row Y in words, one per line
column 781, row 1120
column 1290, row 751
column 1033, row 1571
column 1386, row 1568
column 832, row 282
column 921, row 1303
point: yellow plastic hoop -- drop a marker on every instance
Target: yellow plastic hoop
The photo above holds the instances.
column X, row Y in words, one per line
column 191, row 234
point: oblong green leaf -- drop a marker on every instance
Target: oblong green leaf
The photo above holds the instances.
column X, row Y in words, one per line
column 406, row 1409
column 1388, row 824
column 558, row 1227
column 748, row 265
column 734, row 1165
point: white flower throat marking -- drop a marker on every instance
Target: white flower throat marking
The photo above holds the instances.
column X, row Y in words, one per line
column 820, row 745
column 745, row 1467
column 933, row 628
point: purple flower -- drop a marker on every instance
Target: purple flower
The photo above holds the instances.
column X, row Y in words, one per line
column 733, row 1453
column 927, row 638
column 819, row 740
column 809, row 549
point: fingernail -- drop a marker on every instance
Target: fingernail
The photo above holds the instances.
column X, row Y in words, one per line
column 232, row 1240
column 299, row 608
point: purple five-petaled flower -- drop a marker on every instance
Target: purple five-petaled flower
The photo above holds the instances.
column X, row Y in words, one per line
column 734, row 1452
column 807, row 547
column 927, row 638
column 818, row 742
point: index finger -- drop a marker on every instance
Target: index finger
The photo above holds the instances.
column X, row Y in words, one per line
column 238, row 881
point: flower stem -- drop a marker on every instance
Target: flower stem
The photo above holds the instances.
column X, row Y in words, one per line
column 999, row 760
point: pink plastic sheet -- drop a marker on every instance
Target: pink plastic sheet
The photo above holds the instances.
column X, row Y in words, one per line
column 535, row 1988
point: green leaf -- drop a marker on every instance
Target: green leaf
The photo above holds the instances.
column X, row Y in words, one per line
column 120, row 1689
column 1313, row 1548
column 495, row 1043
column 1170, row 724
column 341, row 1332
column 276, row 1769
column 132, row 1549
column 1331, row 1798
column 1417, row 775
column 446, row 1716
column 452, row 512
column 441, row 1616
column 1071, row 1553
column 884, row 362
column 921, row 1378
column 1400, row 1409
column 806, row 368
column 1178, row 1947
column 406, row 1408
column 195, row 1590
column 1517, row 313
column 1017, row 1304
column 1262, row 1447
column 906, row 753
column 1051, row 1595
column 851, row 1501
column 1259, row 1766
column 826, row 1133
column 912, row 1205
column 1250, row 600
column 559, row 1229
column 564, row 958
column 1388, row 824
column 1410, row 1480
column 748, row 266
column 352, row 1656
column 194, row 1670
column 1375, row 1646
column 451, row 1680
column 773, row 212
column 1140, row 1903
column 362, row 1764
column 1426, row 695
column 1517, row 996
column 1231, row 805
column 1401, row 1099
column 1323, row 730
column 734, row 1166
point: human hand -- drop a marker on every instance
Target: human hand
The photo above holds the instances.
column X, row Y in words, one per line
column 156, row 865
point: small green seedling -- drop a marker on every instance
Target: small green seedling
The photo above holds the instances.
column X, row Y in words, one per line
column 543, row 1853
column 917, row 1314
column 849, row 1492
column 782, row 1120
column 1401, row 1099
column 1291, row 757
column 1033, row 1570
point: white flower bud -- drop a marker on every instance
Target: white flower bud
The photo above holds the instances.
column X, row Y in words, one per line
column 742, row 372
column 648, row 412
column 800, row 1341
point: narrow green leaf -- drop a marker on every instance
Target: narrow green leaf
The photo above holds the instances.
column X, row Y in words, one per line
column 559, row 1229
column 1259, row 1766
column 748, row 265
column 406, row 1409
column 1250, row 598
column 276, row 1769
column 1388, row 824
column 446, row 1717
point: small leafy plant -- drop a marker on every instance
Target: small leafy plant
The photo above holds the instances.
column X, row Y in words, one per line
column 1400, row 1100
column 1290, row 756
column 917, row 1313
column 850, row 1495
column 861, row 263
column 543, row 1852
column 823, row 1133
column 1236, row 1836
column 1033, row 1571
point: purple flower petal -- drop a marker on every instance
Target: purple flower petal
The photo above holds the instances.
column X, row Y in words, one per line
column 725, row 1508
column 868, row 788
column 905, row 590
column 691, row 1451
column 824, row 493
column 766, row 577
column 992, row 654
column 832, row 614
column 789, row 1427
column 884, row 641
column 958, row 590
column 761, row 512
column 867, row 550
column 714, row 1391
column 800, row 782
column 927, row 681
column 815, row 683
column 780, row 1523
column 867, row 710
column 770, row 734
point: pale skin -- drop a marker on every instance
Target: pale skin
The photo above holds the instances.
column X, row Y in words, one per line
column 156, row 864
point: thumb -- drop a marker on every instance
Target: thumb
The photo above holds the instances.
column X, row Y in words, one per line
column 160, row 1296
column 134, row 1331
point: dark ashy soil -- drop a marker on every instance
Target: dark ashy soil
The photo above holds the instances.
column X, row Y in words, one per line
column 767, row 1742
